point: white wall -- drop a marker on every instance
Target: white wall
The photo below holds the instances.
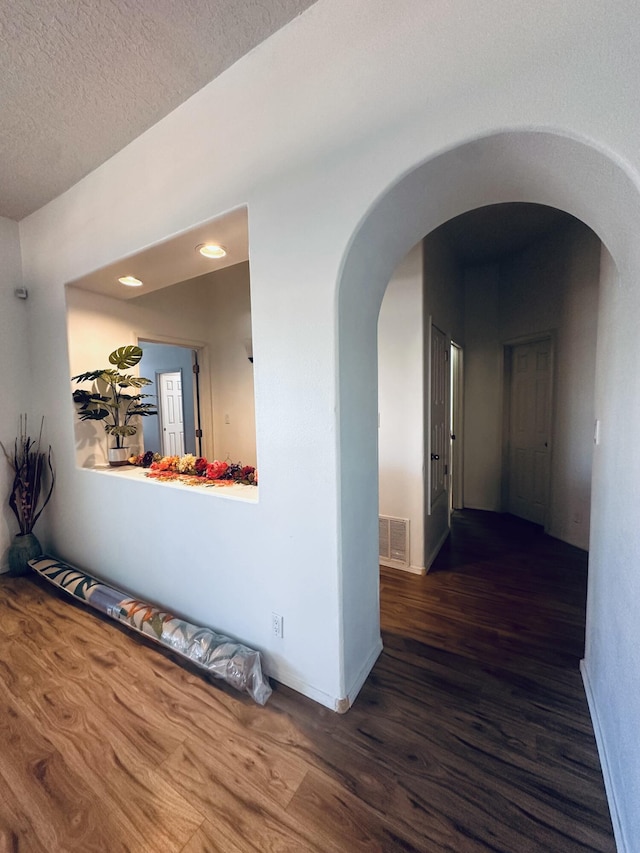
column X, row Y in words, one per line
column 483, row 366
column 15, row 377
column 400, row 401
column 554, row 285
column 234, row 418
column 427, row 284
column 551, row 286
column 610, row 666
column 345, row 164
column 444, row 290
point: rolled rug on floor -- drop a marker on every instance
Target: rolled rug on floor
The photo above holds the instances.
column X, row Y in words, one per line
column 220, row 656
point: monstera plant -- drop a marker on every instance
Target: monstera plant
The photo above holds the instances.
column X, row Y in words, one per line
column 115, row 399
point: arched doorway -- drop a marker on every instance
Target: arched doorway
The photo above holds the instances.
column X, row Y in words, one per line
column 497, row 280
column 518, row 166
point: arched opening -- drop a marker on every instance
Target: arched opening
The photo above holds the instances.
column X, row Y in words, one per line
column 511, row 290
column 516, row 285
column 534, row 167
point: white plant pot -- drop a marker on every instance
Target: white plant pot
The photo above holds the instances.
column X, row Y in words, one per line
column 118, row 456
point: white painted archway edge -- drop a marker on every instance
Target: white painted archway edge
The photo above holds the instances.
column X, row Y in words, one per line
column 574, row 175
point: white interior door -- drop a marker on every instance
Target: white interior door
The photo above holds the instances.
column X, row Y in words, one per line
column 529, row 430
column 172, row 413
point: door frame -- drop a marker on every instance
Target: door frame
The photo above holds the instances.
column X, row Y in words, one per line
column 428, row 418
column 507, row 372
column 456, row 417
column 202, row 391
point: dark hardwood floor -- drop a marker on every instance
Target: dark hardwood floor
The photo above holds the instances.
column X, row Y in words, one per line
column 471, row 734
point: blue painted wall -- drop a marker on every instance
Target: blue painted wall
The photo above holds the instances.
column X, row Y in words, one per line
column 160, row 358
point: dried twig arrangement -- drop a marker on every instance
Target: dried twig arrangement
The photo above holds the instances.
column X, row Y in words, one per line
column 28, row 463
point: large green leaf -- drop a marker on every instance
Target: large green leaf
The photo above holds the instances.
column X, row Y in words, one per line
column 83, row 397
column 144, row 410
column 122, row 430
column 89, row 376
column 125, row 357
column 93, row 414
column 125, row 380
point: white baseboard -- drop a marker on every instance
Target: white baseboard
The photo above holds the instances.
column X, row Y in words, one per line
column 300, row 686
column 609, row 785
column 340, row 704
column 414, row 570
column 360, row 678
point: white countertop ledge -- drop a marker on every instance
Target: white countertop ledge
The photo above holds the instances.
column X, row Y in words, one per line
column 236, row 492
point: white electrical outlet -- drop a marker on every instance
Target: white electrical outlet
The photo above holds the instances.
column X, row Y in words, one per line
column 276, row 625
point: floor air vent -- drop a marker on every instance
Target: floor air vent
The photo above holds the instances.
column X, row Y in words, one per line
column 394, row 541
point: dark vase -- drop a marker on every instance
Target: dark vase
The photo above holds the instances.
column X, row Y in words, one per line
column 25, row 547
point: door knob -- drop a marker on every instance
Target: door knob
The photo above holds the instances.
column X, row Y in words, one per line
column 434, row 457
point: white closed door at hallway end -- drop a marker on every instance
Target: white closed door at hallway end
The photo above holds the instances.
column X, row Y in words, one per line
column 529, row 399
column 171, row 412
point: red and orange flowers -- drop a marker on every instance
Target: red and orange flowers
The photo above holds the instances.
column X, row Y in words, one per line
column 195, row 471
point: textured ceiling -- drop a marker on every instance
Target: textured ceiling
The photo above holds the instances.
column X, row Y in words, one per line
column 80, row 79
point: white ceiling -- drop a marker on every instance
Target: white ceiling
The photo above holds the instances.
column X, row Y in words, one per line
column 487, row 234
column 80, row 79
column 175, row 260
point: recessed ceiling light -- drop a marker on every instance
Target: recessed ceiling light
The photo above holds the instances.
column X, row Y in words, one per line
column 130, row 281
column 212, row 250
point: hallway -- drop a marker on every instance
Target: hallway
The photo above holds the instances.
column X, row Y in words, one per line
column 485, row 651
column 500, row 591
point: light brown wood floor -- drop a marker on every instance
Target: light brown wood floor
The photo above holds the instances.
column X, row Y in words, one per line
column 471, row 734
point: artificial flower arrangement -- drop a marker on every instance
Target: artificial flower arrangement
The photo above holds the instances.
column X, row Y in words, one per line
column 195, row 471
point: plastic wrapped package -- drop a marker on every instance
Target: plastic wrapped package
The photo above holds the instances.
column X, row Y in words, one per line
column 216, row 654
